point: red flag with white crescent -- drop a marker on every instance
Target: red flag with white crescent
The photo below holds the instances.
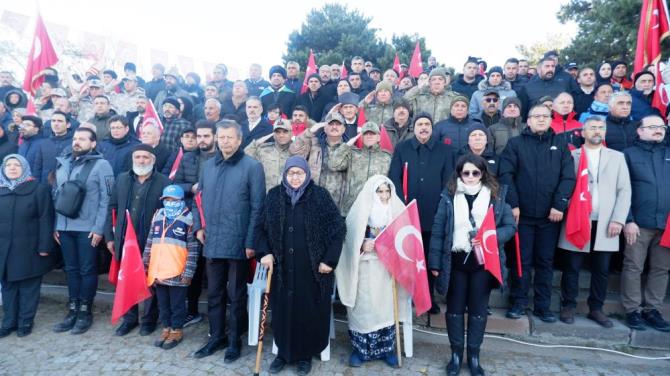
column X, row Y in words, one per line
column 343, row 71
column 488, row 238
column 150, row 118
column 416, row 65
column 400, row 249
column 397, row 68
column 578, row 220
column 42, row 56
column 310, row 70
column 654, row 28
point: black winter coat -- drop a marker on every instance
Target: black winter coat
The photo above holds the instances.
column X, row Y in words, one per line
column 163, row 155
column 7, row 147
column 324, row 227
column 539, row 172
column 261, row 129
column 453, row 131
column 120, row 201
column 649, row 167
column 489, row 155
column 26, row 228
column 537, row 88
column 466, row 89
column 429, row 168
column 439, row 255
column 228, row 108
column 314, row 104
column 621, row 132
column 118, row 152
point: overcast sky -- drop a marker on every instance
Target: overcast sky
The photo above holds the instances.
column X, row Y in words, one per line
column 257, row 31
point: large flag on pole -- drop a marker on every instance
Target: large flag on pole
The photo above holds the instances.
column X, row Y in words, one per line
column 397, row 67
column 150, row 118
column 578, row 220
column 131, row 287
column 654, row 28
column 488, row 238
column 310, row 70
column 42, row 56
column 400, row 248
column 415, row 65
column 344, row 73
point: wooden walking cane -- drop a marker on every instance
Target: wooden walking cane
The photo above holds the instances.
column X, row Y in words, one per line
column 264, row 315
column 397, row 323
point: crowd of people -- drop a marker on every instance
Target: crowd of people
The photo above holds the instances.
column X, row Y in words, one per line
column 251, row 169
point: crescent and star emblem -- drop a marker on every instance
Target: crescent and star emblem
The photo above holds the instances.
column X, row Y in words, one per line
column 400, row 238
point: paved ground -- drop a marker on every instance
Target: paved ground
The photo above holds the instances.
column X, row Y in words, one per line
column 99, row 352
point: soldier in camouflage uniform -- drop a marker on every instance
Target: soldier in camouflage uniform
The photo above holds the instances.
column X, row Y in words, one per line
column 127, row 102
column 85, row 107
column 434, row 99
column 272, row 155
column 378, row 104
column 317, row 146
column 360, row 164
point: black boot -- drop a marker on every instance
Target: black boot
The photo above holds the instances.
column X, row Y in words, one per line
column 84, row 318
column 68, row 322
column 476, row 326
column 455, row 328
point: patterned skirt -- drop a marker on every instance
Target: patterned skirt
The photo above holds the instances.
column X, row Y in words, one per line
column 374, row 345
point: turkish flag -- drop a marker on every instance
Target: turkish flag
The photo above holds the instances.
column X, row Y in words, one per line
column 415, row 65
column 311, row 69
column 397, row 68
column 660, row 99
column 150, row 118
column 343, row 72
column 578, row 221
column 653, row 29
column 42, row 56
column 198, row 203
column 132, row 286
column 488, row 239
column 400, row 248
column 175, row 165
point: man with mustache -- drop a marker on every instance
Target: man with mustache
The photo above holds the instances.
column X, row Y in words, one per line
column 546, row 82
column 430, row 163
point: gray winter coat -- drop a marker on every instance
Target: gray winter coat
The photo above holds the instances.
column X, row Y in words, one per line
column 504, row 90
column 93, row 212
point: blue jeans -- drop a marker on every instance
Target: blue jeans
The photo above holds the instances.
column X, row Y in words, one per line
column 81, row 264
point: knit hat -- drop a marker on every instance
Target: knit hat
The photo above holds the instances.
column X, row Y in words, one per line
column 510, row 100
column 173, row 101
column 348, row 98
column 278, row 69
column 424, row 115
column 642, row 73
column 479, row 127
column 370, row 127
column 546, row 98
column 402, row 102
column 384, row 85
column 438, row 72
column 459, row 98
column 172, row 72
column 144, row 147
column 496, row 69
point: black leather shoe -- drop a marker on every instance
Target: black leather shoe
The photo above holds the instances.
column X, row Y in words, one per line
column 232, row 354
column 303, row 367
column 515, row 312
column 210, row 348
column 68, row 322
column 84, row 318
column 654, row 319
column 634, row 321
column 277, row 365
column 545, row 316
column 125, row 328
column 24, row 331
column 147, row 328
column 4, row 332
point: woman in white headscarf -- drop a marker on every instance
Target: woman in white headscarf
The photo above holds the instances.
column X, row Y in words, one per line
column 363, row 283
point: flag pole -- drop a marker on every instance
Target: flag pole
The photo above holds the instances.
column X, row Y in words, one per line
column 397, row 323
column 264, row 315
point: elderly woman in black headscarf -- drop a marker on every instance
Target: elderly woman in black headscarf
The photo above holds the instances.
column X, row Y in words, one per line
column 26, row 228
column 301, row 239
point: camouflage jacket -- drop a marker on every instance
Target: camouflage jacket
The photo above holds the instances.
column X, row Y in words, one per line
column 273, row 158
column 437, row 106
column 317, row 151
column 85, row 109
column 377, row 112
column 125, row 102
column 360, row 165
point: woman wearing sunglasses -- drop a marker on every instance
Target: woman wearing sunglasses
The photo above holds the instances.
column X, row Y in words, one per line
column 463, row 206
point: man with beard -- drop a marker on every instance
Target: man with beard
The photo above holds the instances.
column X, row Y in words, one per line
column 299, row 121
column 137, row 190
column 255, row 126
column 272, row 154
column 117, row 147
column 173, row 124
column 172, row 89
column 642, row 95
column 545, row 83
column 137, row 117
column 430, row 164
column 357, row 86
column 151, row 136
column 79, row 236
column 512, row 75
column 39, row 151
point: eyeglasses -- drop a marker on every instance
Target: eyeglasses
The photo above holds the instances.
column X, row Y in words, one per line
column 538, row 117
column 473, row 173
column 491, row 100
column 297, row 174
column 655, row 127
